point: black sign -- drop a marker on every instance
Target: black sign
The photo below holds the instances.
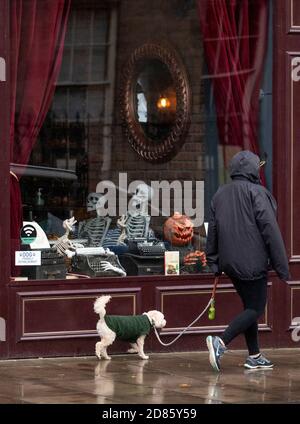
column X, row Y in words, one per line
column 28, row 234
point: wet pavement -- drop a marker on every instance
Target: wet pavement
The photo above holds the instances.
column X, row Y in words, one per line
column 172, row 378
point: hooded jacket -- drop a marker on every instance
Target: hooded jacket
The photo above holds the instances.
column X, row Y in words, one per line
column 243, row 234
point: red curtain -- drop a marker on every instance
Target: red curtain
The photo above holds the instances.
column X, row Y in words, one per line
column 37, row 33
column 234, row 39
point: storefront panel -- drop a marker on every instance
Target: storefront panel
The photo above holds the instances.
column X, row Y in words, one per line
column 123, row 121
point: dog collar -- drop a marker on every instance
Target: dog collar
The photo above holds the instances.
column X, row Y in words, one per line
column 151, row 321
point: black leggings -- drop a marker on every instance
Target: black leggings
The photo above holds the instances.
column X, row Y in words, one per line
column 254, row 298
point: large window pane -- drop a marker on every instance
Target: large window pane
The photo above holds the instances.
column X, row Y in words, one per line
column 95, row 149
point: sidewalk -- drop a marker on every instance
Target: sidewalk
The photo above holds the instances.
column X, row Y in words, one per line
column 172, row 378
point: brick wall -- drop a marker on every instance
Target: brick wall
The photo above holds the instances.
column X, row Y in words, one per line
column 144, row 21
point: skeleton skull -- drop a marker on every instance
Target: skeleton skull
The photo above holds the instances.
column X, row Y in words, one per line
column 95, row 202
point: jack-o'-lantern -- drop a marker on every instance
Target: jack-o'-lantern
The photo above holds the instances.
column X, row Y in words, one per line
column 178, row 230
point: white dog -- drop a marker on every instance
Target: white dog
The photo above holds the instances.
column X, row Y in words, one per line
column 132, row 328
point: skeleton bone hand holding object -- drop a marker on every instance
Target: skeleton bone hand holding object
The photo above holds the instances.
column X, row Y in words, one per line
column 135, row 224
column 64, row 246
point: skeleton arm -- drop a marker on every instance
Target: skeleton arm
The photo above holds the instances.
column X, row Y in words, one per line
column 107, row 266
column 63, row 245
column 122, row 225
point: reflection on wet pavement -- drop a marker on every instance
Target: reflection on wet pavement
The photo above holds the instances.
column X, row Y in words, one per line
column 172, row 378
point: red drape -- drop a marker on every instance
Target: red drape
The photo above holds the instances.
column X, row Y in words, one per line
column 234, row 39
column 37, row 33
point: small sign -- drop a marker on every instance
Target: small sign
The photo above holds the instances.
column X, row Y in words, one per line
column 28, row 234
column 172, row 263
column 2, row 69
column 28, row 258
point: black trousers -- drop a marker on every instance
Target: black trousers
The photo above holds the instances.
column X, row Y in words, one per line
column 254, row 297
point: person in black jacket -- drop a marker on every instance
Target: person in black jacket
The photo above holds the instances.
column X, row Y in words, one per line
column 243, row 241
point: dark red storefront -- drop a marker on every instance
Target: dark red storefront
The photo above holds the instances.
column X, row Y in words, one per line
column 56, row 318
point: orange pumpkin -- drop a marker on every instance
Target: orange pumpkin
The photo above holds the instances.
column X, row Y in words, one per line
column 178, row 230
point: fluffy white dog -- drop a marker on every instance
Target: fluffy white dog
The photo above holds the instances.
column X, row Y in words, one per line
column 131, row 328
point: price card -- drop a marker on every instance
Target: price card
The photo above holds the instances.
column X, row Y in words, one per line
column 28, row 258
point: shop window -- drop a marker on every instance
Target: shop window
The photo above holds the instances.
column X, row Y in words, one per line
column 118, row 164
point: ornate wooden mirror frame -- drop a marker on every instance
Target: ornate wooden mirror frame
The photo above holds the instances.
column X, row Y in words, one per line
column 158, row 150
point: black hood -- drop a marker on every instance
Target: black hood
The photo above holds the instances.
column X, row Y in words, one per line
column 245, row 164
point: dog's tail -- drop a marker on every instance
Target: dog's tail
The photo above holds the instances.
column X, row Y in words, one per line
column 99, row 305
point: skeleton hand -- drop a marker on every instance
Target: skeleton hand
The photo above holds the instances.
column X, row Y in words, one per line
column 108, row 252
column 69, row 253
column 107, row 266
column 122, row 221
column 69, row 223
column 62, row 245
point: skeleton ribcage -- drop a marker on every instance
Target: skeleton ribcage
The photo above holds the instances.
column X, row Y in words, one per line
column 137, row 226
column 95, row 230
column 61, row 245
column 112, row 238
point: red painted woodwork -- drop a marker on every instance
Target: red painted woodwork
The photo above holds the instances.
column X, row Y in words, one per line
column 4, row 175
column 56, row 318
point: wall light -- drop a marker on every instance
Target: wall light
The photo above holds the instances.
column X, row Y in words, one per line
column 163, row 103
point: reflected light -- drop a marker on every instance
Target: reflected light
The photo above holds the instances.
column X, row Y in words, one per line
column 163, row 103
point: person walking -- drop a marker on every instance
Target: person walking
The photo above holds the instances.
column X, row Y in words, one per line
column 243, row 241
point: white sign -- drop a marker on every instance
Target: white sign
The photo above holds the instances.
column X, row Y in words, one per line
column 2, row 69
column 172, row 263
column 2, row 330
column 28, row 257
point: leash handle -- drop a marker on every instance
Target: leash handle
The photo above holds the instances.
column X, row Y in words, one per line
column 212, row 309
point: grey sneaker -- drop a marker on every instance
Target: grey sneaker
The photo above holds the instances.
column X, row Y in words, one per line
column 216, row 350
column 260, row 362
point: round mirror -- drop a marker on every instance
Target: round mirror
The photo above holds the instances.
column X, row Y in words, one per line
column 155, row 103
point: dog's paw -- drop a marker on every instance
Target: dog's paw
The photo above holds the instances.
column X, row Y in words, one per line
column 132, row 350
column 144, row 356
column 98, row 352
column 108, row 358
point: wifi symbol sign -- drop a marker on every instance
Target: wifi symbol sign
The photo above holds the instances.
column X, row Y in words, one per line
column 28, row 234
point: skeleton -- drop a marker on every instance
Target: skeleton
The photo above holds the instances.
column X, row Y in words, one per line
column 95, row 229
column 103, row 265
column 63, row 245
column 136, row 223
column 112, row 238
column 107, row 266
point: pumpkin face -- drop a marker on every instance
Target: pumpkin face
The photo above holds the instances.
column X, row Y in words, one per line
column 178, row 230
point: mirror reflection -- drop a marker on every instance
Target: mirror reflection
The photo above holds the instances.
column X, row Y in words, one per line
column 155, row 99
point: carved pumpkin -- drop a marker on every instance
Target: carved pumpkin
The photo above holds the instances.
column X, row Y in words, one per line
column 178, row 230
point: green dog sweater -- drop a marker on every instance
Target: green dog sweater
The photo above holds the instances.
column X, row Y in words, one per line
column 128, row 328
